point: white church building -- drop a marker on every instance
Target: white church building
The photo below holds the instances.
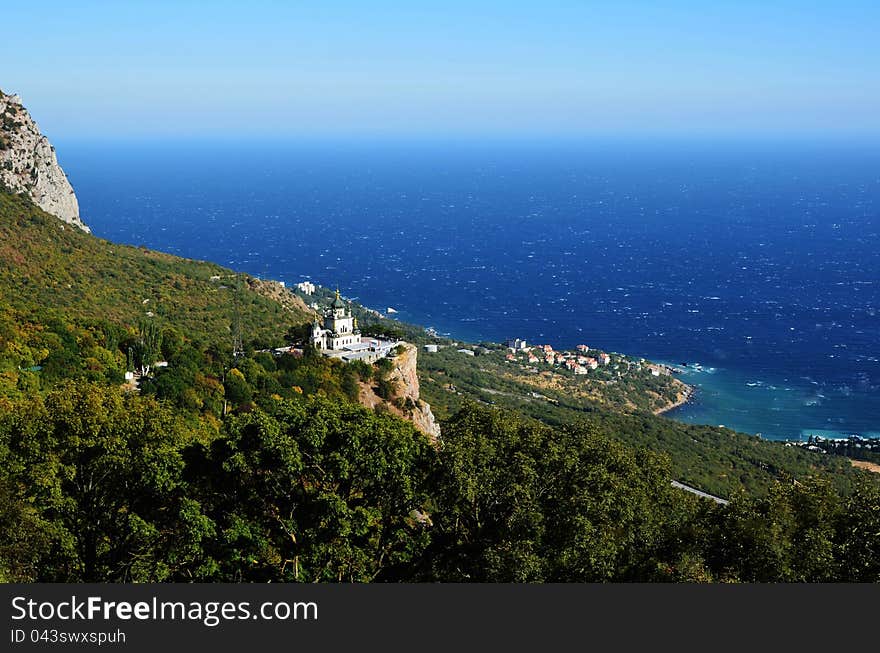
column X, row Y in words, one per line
column 340, row 328
column 339, row 337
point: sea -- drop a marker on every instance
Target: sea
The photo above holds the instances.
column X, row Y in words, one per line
column 753, row 265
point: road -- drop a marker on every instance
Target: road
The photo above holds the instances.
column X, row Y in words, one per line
column 699, row 493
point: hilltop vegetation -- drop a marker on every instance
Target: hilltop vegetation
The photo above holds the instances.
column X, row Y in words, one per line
column 47, row 266
column 76, row 305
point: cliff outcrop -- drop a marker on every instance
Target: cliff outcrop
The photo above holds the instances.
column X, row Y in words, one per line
column 406, row 402
column 28, row 164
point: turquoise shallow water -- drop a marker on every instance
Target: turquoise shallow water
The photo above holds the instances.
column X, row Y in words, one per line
column 773, row 407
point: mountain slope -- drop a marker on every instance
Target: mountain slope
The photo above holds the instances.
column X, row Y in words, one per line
column 46, row 265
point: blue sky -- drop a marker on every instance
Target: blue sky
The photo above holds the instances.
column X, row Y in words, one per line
column 258, row 68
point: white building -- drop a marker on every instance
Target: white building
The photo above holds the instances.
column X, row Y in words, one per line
column 340, row 328
column 306, row 287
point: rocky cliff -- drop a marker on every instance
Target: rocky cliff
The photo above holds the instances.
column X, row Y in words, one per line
column 28, row 163
column 406, row 402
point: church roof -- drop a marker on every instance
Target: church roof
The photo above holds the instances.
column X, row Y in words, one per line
column 338, row 303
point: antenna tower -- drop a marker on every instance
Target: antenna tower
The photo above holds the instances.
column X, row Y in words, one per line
column 237, row 343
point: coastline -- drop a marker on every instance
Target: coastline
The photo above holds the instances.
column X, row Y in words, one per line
column 689, row 393
column 683, row 409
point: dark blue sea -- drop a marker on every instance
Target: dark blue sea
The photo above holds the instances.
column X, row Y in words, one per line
column 758, row 261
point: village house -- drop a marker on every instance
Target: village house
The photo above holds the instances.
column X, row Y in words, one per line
column 306, row 287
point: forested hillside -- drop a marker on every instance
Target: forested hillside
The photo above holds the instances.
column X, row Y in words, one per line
column 98, row 484
column 47, row 267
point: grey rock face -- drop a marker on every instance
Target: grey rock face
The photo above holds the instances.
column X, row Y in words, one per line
column 28, row 163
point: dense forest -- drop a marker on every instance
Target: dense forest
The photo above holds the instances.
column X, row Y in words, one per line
column 262, row 467
column 104, row 485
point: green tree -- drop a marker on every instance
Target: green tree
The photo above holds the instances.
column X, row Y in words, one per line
column 316, row 491
column 519, row 501
column 172, row 342
column 859, row 535
column 101, row 472
column 236, row 388
column 788, row 536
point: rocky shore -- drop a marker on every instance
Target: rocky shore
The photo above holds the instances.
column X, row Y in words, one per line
column 684, row 397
